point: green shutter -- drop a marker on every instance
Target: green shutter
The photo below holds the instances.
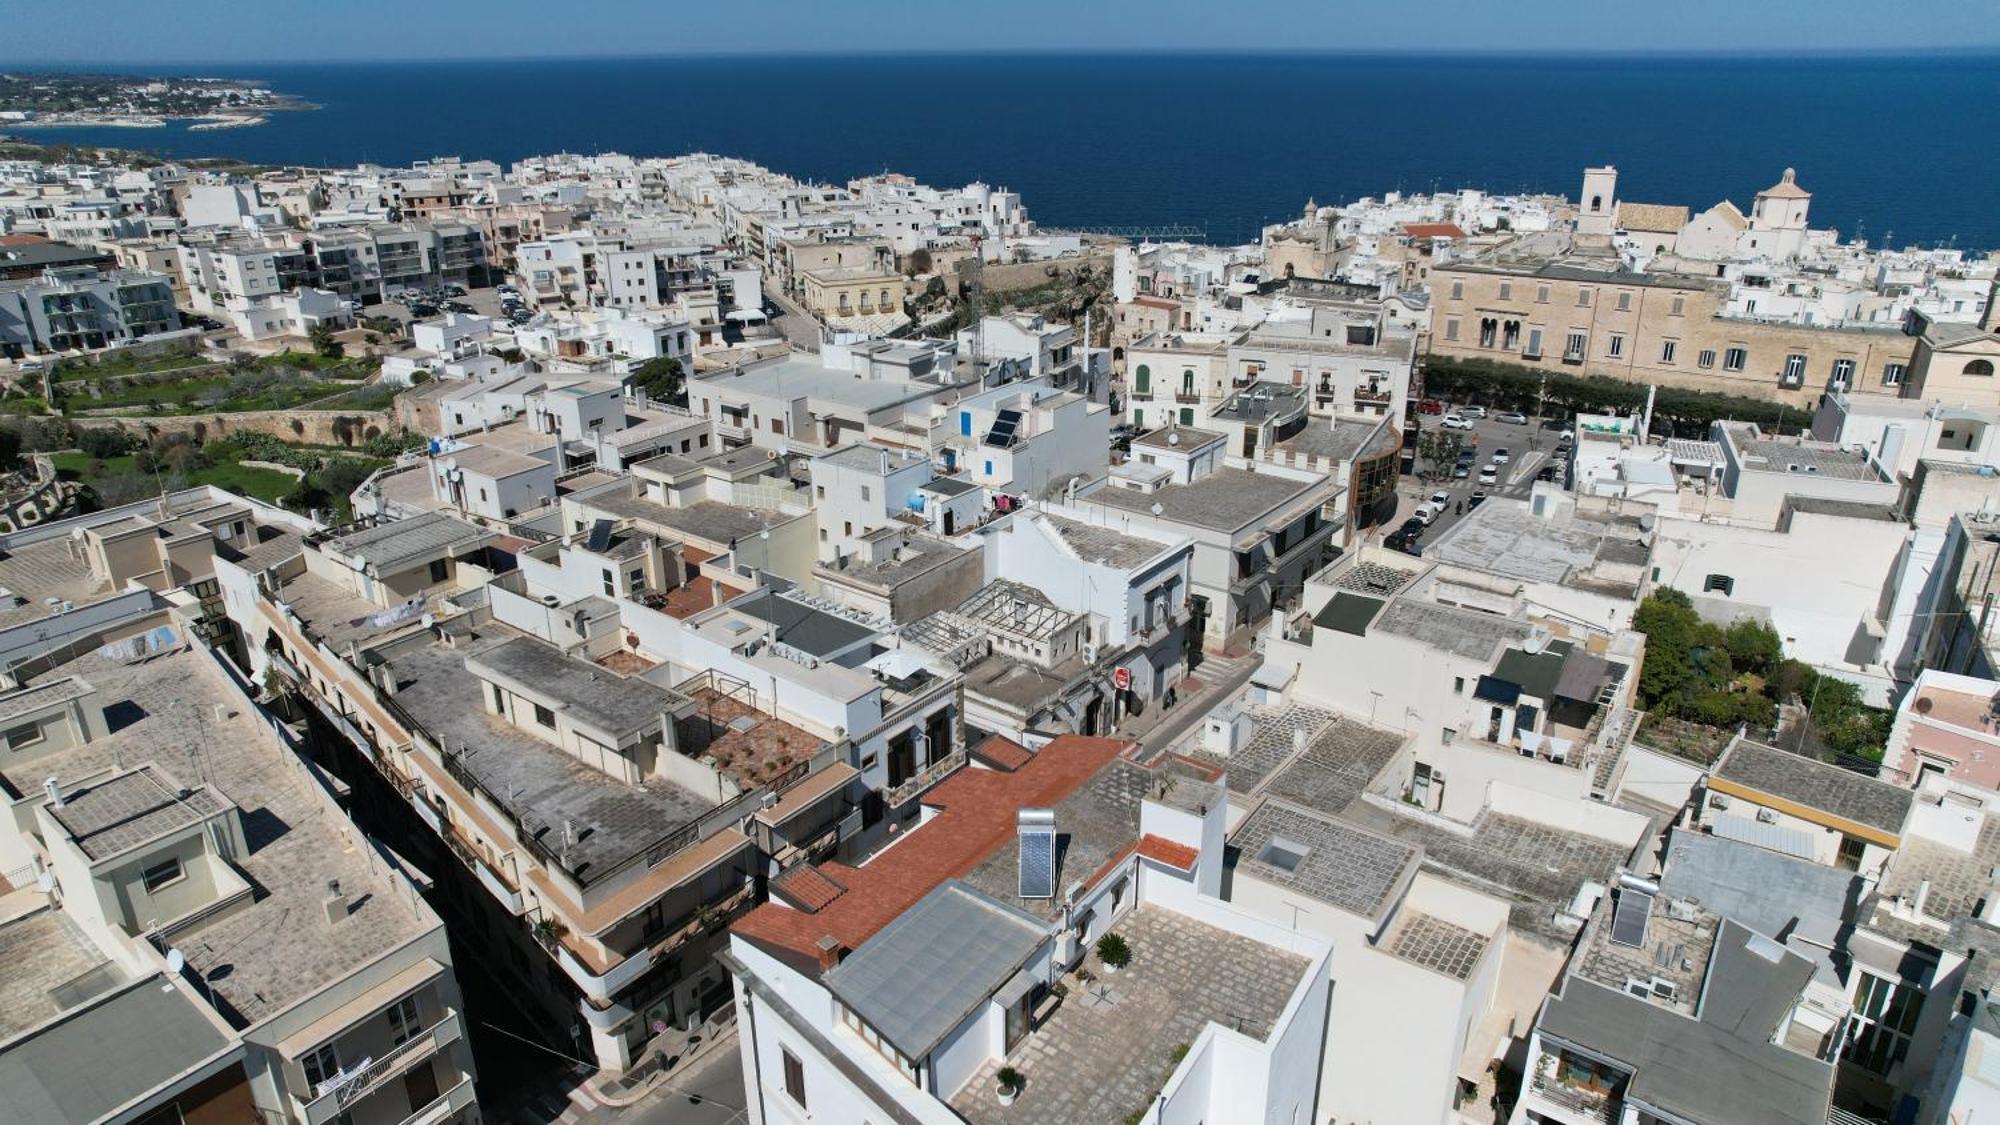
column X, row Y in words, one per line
column 1145, row 382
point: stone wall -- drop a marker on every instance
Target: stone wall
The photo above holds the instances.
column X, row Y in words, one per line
column 1027, row 275
column 317, row 426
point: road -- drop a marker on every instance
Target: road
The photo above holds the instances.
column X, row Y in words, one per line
column 710, row 1094
column 1516, row 478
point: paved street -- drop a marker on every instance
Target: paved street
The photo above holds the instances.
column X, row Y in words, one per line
column 710, row 1094
column 1516, row 478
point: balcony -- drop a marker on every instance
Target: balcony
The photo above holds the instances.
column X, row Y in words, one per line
column 495, row 883
column 1369, row 396
column 1187, row 398
column 447, row 1105
column 1578, row 1101
column 921, row 781
column 348, row 1091
column 601, row 987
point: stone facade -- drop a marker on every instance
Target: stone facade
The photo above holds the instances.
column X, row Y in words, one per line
column 1652, row 328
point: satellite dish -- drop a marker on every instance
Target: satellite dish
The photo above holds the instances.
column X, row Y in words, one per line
column 175, row 961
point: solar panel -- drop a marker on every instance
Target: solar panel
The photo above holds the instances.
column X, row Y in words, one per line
column 600, row 536
column 1005, row 424
column 1038, row 864
column 1630, row 915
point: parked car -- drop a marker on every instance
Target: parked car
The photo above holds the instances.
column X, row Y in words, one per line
column 1411, row 526
column 1455, row 422
column 1475, row 500
column 1431, row 406
column 1441, row 497
column 1512, row 418
column 1463, row 470
column 1489, row 475
column 1500, row 456
column 1566, row 439
column 1473, row 411
column 1408, row 544
column 1428, row 513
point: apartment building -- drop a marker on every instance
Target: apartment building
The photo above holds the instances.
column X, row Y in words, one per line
column 836, row 1026
column 797, row 402
column 1590, row 316
column 84, row 309
column 198, row 929
column 1355, row 362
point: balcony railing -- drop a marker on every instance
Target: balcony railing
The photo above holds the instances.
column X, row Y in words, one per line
column 1377, row 398
column 457, row 1098
column 1580, row 1102
column 930, row 775
column 376, row 1073
column 1187, row 398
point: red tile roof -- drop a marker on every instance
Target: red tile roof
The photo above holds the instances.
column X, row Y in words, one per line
column 1433, row 230
column 807, row 888
column 1180, row 857
column 976, row 815
column 1002, row 753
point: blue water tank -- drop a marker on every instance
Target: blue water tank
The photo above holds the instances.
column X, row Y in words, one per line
column 915, row 502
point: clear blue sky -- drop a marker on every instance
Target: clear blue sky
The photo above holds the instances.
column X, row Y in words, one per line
column 140, row 31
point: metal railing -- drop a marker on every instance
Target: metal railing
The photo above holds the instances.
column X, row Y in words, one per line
column 1591, row 1105
column 370, row 1078
column 925, row 778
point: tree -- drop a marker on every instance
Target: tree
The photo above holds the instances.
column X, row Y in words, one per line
column 10, row 450
column 1440, row 447
column 323, row 341
column 662, row 379
column 104, row 444
column 918, row 261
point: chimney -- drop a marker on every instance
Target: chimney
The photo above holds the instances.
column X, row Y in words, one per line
column 829, row 951
column 336, row 903
column 1923, row 895
column 53, row 788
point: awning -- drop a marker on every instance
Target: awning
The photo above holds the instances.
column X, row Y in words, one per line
column 1493, row 689
column 1017, row 987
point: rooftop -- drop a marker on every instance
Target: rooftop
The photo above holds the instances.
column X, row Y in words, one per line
column 1228, row 499
column 113, row 816
column 44, row 953
column 1797, row 455
column 1103, row 545
column 944, row 957
column 1464, row 632
column 1179, row 437
column 812, row 631
column 393, row 545
column 975, row 815
column 1438, row 945
column 1343, row 439
column 796, row 378
column 1752, row 770
column 590, row 695
column 914, row 555
column 1087, row 1064
column 1325, row 858
column 748, row 744
column 547, row 790
column 97, row 1059
column 1503, row 537
column 1773, row 894
column 709, row 521
column 48, row 568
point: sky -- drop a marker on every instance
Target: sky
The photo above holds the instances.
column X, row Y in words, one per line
column 278, row 31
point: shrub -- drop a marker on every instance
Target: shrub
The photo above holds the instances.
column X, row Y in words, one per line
column 1112, row 950
column 1010, row 1079
column 104, row 444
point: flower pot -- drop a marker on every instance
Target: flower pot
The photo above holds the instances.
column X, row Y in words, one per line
column 1008, row 1094
column 1112, row 970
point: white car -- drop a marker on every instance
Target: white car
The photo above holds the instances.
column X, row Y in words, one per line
column 1441, row 498
column 1428, row 513
column 1500, row 456
column 1455, row 422
column 1489, row 475
column 1473, row 411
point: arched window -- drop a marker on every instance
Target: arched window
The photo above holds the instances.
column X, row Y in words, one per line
column 1144, row 383
column 1979, row 367
column 1596, row 204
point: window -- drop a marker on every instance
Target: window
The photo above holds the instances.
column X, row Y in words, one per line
column 1706, row 358
column 1451, row 329
column 162, row 874
column 1625, row 301
column 1458, row 290
column 1143, row 384
column 439, row 568
column 1506, row 291
column 1666, row 351
column 1583, row 298
column 320, row 1065
column 1719, row 583
column 795, row 1077
column 1489, row 330
column 610, row 584
column 403, row 1021
column 1534, row 348
column 1795, row 368
column 1892, row 374
column 1541, row 294
column 1616, row 346
column 1678, row 308
column 1843, row 372
column 545, row 717
column 1573, row 350
column 1885, row 1014
column 1981, row 367
column 778, row 426
column 819, row 490
column 1458, row 685
column 27, row 734
column 1735, row 359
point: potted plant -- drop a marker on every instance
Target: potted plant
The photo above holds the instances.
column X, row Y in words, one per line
column 1010, row 1081
column 1113, row 952
column 549, row 931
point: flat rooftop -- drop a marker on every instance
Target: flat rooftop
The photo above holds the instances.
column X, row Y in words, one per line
column 537, row 783
column 1504, row 537
column 1104, row 545
column 392, row 545
column 1342, row 440
column 1324, row 858
column 1465, row 632
column 913, row 556
column 50, row 568
column 746, row 743
column 1796, row 455
column 1106, row 1051
column 333, row 614
column 110, row 817
column 43, row 952
column 180, row 712
column 587, row 693
column 1094, row 825
column 1228, row 499
column 1752, row 768
column 709, row 521
column 797, row 378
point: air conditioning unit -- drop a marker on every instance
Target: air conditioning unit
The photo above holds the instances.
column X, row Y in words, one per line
column 1767, row 816
column 1717, row 801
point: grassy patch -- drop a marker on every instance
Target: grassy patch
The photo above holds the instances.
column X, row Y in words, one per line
column 268, row 485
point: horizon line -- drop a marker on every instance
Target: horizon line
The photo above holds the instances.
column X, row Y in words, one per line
column 1728, row 53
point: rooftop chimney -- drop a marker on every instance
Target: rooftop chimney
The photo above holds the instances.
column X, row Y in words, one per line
column 829, row 951
column 336, row 903
column 53, row 788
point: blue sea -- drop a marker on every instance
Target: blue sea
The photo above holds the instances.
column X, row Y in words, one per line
column 1895, row 148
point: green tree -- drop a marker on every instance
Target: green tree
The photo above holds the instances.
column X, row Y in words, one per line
column 10, row 449
column 1439, row 447
column 1753, row 646
column 324, row 343
column 662, row 379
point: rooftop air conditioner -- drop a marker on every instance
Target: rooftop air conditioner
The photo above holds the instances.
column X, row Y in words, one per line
column 1767, row 816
